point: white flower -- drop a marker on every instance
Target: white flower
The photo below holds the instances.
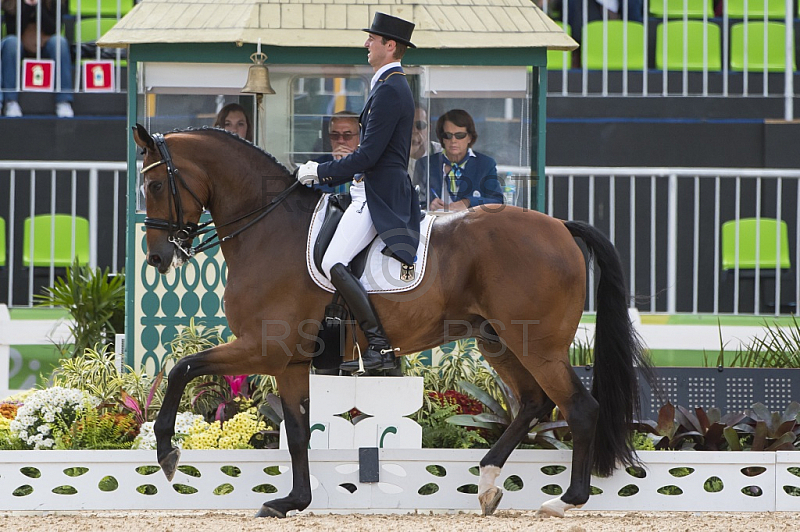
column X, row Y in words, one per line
column 45, row 410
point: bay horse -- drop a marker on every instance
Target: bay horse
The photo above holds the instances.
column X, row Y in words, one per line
column 511, row 277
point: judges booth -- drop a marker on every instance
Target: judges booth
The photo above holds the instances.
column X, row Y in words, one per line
column 186, row 72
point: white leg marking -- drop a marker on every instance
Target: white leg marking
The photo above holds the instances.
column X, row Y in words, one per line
column 555, row 508
column 489, row 495
column 489, row 475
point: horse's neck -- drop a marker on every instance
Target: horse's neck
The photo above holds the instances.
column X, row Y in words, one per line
column 239, row 193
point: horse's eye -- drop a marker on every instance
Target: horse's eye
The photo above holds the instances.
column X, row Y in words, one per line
column 155, row 186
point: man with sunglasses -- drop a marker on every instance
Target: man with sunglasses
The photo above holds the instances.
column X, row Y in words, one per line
column 343, row 129
column 421, row 145
column 383, row 200
column 459, row 177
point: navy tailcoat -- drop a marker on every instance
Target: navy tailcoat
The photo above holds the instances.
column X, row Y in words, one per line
column 382, row 158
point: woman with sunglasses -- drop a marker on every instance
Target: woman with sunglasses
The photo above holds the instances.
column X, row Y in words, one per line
column 459, row 178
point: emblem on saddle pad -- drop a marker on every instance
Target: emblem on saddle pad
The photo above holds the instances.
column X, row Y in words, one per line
column 406, row 273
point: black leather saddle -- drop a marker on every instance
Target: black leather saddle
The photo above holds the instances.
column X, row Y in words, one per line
column 337, row 204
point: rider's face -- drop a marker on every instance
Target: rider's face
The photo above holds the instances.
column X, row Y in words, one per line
column 380, row 52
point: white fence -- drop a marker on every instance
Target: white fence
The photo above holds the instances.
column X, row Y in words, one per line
column 95, row 191
column 410, row 479
column 666, row 224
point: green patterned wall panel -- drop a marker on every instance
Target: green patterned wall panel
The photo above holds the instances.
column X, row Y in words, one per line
column 164, row 304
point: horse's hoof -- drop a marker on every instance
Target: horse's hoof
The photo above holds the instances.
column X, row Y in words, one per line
column 489, row 500
column 266, row 511
column 170, row 463
column 554, row 508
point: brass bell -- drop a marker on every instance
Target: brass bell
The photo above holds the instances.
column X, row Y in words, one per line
column 258, row 76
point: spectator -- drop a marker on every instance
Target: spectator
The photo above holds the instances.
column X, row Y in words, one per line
column 460, row 178
column 53, row 46
column 343, row 131
column 421, row 145
column 235, row 119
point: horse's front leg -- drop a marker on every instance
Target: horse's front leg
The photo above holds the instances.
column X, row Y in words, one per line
column 293, row 387
column 220, row 360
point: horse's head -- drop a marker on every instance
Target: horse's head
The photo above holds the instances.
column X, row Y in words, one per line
column 173, row 208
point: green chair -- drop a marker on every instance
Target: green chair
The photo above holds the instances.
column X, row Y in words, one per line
column 618, row 50
column 44, row 236
column 2, row 242
column 88, row 28
column 105, row 8
column 768, row 258
column 674, row 8
column 776, row 9
column 556, row 58
column 775, row 56
column 672, row 43
column 767, row 244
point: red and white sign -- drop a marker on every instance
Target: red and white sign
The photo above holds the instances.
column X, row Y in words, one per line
column 98, row 76
column 38, row 75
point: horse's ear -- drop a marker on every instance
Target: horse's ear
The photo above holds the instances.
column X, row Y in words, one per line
column 143, row 138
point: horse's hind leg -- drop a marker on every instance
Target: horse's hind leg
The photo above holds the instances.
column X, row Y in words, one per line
column 546, row 360
column 293, row 387
column 580, row 410
column 534, row 404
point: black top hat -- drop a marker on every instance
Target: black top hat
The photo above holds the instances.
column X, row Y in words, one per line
column 392, row 28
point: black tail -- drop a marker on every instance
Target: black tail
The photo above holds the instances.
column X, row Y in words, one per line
column 617, row 353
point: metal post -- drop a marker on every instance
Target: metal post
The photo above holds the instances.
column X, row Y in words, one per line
column 93, row 199
column 672, row 244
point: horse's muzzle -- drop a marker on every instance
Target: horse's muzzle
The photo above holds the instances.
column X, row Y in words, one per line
column 158, row 262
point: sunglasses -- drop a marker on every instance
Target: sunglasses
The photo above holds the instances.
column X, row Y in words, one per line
column 460, row 135
column 346, row 135
column 420, row 124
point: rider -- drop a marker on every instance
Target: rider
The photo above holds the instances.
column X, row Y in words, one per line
column 383, row 200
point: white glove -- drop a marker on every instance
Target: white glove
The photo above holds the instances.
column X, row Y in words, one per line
column 307, row 173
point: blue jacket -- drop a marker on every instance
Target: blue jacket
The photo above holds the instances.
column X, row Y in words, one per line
column 478, row 182
column 382, row 156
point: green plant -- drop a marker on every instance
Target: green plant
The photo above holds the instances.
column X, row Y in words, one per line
column 93, row 430
column 193, row 338
column 96, row 303
column 778, row 348
column 438, row 433
column 772, row 431
column 95, row 371
column 581, row 354
column 498, row 415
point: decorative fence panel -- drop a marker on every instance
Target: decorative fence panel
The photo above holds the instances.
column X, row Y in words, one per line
column 427, row 479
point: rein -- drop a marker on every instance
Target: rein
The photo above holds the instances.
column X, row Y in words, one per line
column 180, row 232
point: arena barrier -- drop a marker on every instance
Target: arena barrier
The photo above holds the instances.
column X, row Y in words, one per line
column 410, row 480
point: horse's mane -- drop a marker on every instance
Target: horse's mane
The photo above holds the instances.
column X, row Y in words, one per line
column 220, row 131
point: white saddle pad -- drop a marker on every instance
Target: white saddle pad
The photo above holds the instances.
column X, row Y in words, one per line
column 382, row 273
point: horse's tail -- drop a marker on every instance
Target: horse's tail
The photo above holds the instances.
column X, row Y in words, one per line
column 617, row 353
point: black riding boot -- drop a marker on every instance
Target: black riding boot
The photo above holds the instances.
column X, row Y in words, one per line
column 379, row 355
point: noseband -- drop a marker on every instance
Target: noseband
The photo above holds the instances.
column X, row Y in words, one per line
column 181, row 233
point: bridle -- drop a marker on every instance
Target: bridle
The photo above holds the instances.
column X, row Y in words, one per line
column 181, row 233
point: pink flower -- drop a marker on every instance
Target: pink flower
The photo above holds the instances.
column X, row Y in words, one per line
column 238, row 384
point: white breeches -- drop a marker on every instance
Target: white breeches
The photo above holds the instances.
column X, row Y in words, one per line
column 354, row 233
